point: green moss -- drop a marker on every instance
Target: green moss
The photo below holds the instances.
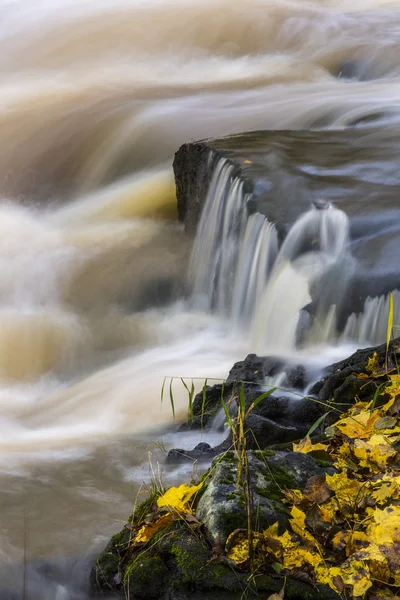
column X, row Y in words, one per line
column 231, row 496
column 121, row 539
column 162, row 533
column 188, row 565
column 234, row 519
column 283, row 479
column 145, row 576
column 228, row 479
column 222, row 577
column 143, row 508
column 229, row 457
column 241, row 503
column 272, row 492
column 322, row 463
column 262, row 453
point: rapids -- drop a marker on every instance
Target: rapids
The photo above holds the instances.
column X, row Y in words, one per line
column 95, row 310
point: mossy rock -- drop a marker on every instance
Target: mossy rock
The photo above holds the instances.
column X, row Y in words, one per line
column 107, row 573
column 145, row 577
column 180, row 562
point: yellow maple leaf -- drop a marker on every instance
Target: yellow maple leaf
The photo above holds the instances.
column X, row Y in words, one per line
column 358, row 540
column 372, row 363
column 341, row 539
column 374, row 452
column 238, row 544
column 377, row 562
column 356, row 573
column 294, row 496
column 305, row 446
column 388, row 487
column 298, row 524
column 360, row 425
column 295, row 558
column 272, row 530
column 328, row 511
column 178, row 498
column 239, row 552
column 393, row 390
column 147, row 531
column 382, row 493
column 346, row 490
column 385, row 526
column 288, row 541
column 326, row 575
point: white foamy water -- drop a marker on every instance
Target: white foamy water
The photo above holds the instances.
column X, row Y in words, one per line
column 95, row 97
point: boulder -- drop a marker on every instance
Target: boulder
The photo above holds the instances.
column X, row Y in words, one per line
column 186, row 560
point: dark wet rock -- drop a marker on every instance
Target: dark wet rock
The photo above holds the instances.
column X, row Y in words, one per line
column 341, row 384
column 254, row 369
column 202, row 452
column 277, row 420
column 106, row 575
column 250, row 375
column 262, row 432
column 179, row 567
column 192, row 178
column 207, row 403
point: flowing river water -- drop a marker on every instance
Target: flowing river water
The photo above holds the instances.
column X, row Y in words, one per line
column 95, row 97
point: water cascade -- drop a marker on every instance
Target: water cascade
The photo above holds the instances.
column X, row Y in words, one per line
column 239, row 271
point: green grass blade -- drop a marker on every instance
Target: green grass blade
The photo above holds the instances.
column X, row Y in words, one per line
column 260, row 398
column 317, row 424
column 171, row 398
column 390, row 321
column 389, row 327
column 191, row 396
column 242, row 400
column 203, row 402
column 162, row 389
column 227, row 414
column 184, row 383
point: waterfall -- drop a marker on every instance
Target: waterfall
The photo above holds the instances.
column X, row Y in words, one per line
column 370, row 326
column 239, row 271
column 218, row 239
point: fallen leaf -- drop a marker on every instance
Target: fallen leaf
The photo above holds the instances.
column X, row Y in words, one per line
column 317, row 490
column 147, row 531
column 305, row 446
column 360, row 425
column 178, row 498
column 386, row 422
column 385, row 526
column 355, row 573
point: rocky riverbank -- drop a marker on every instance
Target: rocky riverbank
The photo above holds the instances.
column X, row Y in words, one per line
column 192, row 543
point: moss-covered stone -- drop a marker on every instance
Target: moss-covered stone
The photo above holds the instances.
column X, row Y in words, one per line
column 107, row 572
column 180, row 557
column 143, row 508
column 145, row 577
